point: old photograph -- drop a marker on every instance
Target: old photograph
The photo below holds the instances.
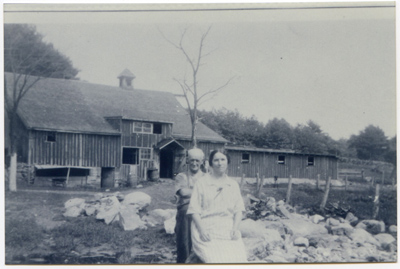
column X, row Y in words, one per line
column 231, row 133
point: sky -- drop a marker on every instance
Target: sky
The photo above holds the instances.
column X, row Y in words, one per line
column 335, row 66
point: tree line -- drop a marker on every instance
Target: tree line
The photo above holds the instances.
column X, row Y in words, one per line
column 370, row 144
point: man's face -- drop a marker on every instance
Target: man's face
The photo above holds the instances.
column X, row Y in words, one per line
column 194, row 163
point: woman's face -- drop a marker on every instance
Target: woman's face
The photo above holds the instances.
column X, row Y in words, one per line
column 219, row 163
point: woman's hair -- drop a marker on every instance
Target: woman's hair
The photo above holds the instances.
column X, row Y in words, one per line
column 212, row 154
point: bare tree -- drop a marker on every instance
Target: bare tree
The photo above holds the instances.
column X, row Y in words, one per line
column 29, row 60
column 190, row 88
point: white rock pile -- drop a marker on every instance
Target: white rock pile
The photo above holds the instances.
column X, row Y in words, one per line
column 126, row 210
column 287, row 237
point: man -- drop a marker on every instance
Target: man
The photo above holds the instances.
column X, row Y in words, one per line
column 184, row 183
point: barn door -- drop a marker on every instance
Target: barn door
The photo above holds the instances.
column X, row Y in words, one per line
column 107, row 177
column 166, row 163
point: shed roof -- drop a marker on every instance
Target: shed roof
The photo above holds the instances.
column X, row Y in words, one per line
column 280, row 151
column 72, row 105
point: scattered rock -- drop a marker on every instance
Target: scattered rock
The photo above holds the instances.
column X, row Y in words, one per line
column 73, row 211
column 74, row 202
column 108, row 209
column 351, row 218
column 169, row 225
column 282, row 209
column 332, row 222
column 280, row 202
column 158, row 216
column 98, row 196
column 271, row 204
column 139, row 186
column 301, row 227
column 393, row 229
column 301, row 241
column 372, row 226
column 316, row 218
column 342, row 229
column 385, row 239
column 251, row 228
column 139, row 198
column 91, row 209
column 255, row 247
column 361, row 236
column 275, row 225
column 129, row 219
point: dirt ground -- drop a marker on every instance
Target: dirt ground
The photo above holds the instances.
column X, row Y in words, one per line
column 45, row 207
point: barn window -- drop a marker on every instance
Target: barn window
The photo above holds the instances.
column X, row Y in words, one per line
column 157, row 128
column 142, row 127
column 281, row 159
column 310, row 161
column 130, row 156
column 245, row 157
column 145, row 154
column 51, row 137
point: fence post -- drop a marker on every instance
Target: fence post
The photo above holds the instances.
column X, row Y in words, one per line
column 318, row 181
column 289, row 190
column 383, row 178
column 326, row 194
column 345, row 183
column 257, row 182
column 376, row 202
column 260, row 187
column 242, row 182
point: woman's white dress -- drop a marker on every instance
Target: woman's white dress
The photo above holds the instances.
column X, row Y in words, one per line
column 216, row 201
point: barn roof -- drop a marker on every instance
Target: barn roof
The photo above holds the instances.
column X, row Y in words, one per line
column 72, row 105
column 268, row 150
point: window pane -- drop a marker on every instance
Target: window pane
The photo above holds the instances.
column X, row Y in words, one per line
column 310, row 161
column 146, row 127
column 157, row 128
column 145, row 154
column 130, row 156
column 245, row 157
column 138, row 127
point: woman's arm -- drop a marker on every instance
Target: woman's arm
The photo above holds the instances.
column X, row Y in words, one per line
column 203, row 234
column 237, row 218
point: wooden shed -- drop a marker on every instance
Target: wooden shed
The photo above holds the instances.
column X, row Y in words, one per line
column 280, row 163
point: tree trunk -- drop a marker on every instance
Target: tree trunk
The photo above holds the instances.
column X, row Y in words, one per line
column 13, row 172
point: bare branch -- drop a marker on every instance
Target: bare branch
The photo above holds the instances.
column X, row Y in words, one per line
column 215, row 90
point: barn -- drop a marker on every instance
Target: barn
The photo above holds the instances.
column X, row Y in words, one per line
column 281, row 163
column 97, row 135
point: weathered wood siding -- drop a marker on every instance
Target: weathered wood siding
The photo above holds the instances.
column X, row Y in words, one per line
column 143, row 140
column 73, row 149
column 266, row 164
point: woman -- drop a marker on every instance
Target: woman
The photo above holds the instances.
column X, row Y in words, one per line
column 216, row 207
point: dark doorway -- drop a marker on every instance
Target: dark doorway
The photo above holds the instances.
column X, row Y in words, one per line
column 166, row 163
column 107, row 177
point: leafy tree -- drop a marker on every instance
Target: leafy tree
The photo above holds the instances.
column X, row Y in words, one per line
column 278, row 134
column 310, row 139
column 29, row 59
column 233, row 126
column 370, row 144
